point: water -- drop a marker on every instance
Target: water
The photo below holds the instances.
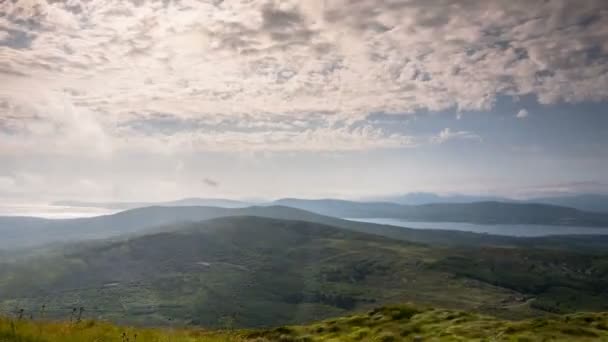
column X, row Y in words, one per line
column 527, row 230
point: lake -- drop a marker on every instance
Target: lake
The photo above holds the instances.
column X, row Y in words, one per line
column 527, row 230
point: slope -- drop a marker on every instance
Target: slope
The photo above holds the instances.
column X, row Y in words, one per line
column 251, row 271
column 392, row 323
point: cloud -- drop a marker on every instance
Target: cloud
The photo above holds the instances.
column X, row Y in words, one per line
column 101, row 68
column 276, row 137
column 447, row 134
column 522, row 114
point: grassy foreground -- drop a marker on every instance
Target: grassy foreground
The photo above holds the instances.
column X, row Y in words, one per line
column 394, row 323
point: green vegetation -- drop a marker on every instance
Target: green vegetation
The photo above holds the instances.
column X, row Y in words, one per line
column 30, row 331
column 407, row 323
column 242, row 272
column 257, row 272
column 555, row 281
column 392, row 323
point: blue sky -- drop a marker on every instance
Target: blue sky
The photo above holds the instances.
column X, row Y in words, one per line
column 155, row 100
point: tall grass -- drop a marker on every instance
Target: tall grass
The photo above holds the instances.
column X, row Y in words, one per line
column 15, row 330
column 388, row 324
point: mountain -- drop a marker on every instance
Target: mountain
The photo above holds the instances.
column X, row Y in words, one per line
column 478, row 212
column 389, row 323
column 588, row 202
column 343, row 208
column 417, row 198
column 584, row 202
column 255, row 271
column 28, row 232
column 18, row 232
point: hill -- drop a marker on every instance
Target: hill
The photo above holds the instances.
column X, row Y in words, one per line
column 27, row 232
column 478, row 212
column 257, row 271
column 19, row 232
column 254, row 271
column 584, row 202
column 588, row 202
column 393, row 323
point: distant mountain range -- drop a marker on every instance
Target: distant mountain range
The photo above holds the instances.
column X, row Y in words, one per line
column 418, row 198
column 29, row 232
column 20, row 232
column 588, row 202
column 477, row 212
column 584, row 202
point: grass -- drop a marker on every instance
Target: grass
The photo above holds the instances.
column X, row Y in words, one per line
column 385, row 324
column 28, row 331
column 408, row 323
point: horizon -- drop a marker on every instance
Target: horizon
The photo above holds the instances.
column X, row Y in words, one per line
column 68, row 209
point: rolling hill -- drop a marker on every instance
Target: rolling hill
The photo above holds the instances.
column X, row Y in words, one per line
column 28, row 232
column 584, row 202
column 256, row 271
column 588, row 202
column 19, row 232
column 478, row 212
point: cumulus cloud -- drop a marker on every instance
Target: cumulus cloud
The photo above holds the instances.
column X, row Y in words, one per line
column 83, row 74
column 522, row 114
column 447, row 134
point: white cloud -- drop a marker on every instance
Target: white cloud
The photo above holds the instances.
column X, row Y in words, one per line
column 522, row 114
column 113, row 99
column 447, row 134
column 84, row 68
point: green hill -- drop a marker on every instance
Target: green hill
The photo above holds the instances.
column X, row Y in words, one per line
column 254, row 271
column 393, row 323
column 250, row 271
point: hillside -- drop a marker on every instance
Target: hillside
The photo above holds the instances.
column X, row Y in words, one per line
column 27, row 232
column 254, row 271
column 588, row 202
column 584, row 202
column 20, row 232
column 394, row 323
column 258, row 271
column 478, row 212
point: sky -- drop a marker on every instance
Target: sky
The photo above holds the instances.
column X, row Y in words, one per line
column 157, row 100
